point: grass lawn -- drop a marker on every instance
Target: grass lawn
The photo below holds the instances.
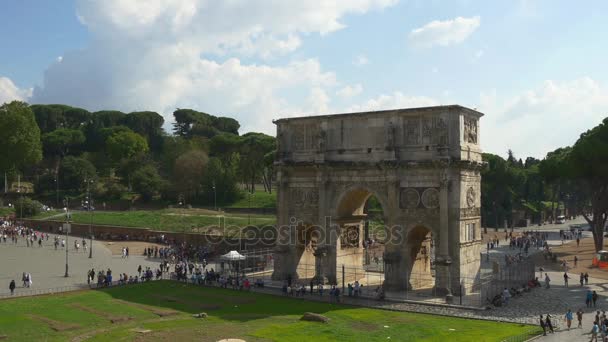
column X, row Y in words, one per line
column 259, row 199
column 179, row 220
column 6, row 211
column 165, row 308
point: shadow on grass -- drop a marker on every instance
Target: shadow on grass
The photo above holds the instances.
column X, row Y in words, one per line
column 226, row 304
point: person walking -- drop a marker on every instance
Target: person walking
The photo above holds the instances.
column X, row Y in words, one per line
column 12, row 286
column 579, row 317
column 586, row 278
column 569, row 318
column 547, row 281
column 582, row 279
column 589, row 298
column 594, row 298
column 575, row 260
column 548, row 323
column 594, row 332
column 543, row 326
column 566, row 277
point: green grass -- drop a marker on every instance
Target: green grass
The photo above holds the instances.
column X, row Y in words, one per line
column 6, row 211
column 232, row 314
column 259, row 199
column 179, row 220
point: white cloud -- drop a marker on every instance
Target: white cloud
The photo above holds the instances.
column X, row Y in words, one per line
column 10, row 92
column 540, row 120
column 392, row 101
column 444, row 33
column 360, row 60
column 350, row 91
column 164, row 54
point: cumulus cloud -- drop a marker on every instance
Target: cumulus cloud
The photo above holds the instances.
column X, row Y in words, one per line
column 392, row 101
column 10, row 92
column 444, row 33
column 350, row 91
column 164, row 54
column 542, row 119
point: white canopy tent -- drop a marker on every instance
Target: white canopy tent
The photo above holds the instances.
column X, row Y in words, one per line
column 233, row 256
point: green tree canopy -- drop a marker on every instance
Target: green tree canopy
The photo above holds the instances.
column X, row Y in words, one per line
column 19, row 136
column 74, row 171
column 147, row 182
column 60, row 141
column 125, row 144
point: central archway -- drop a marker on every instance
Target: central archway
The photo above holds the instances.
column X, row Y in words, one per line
column 420, row 268
column 361, row 214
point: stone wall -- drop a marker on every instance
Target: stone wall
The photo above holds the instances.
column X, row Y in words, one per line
column 105, row 232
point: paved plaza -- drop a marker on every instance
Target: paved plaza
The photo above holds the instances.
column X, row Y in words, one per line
column 47, row 265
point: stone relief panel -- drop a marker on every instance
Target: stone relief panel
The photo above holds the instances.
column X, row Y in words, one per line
column 409, row 198
column 411, row 129
column 307, row 137
column 430, row 198
column 471, row 197
column 349, row 237
column 470, row 130
column 470, row 212
column 427, row 131
column 440, row 131
column 305, row 198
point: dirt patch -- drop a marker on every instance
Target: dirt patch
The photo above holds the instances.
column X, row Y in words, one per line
column 154, row 310
column 55, row 325
column 195, row 305
column 135, row 247
column 110, row 317
column 584, row 252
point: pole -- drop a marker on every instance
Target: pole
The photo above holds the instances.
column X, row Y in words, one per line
column 342, row 278
column 214, row 197
column 90, row 221
column 249, row 211
column 67, row 227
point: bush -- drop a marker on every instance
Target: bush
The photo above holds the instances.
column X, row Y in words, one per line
column 26, row 207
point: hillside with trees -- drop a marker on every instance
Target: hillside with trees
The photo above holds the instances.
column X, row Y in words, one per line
column 129, row 156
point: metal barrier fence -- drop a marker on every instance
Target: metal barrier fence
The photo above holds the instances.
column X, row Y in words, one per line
column 20, row 292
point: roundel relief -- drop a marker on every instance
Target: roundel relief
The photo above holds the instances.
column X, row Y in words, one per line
column 409, row 198
column 430, row 198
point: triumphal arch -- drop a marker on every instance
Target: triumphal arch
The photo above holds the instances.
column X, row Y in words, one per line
column 422, row 165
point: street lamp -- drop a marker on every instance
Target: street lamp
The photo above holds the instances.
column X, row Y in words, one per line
column 214, row 197
column 67, row 228
column 89, row 203
column 249, row 210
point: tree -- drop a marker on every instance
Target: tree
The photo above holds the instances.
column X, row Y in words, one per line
column 587, row 165
column 60, row 141
column 188, row 172
column 146, row 181
column 125, row 144
column 74, row 171
column 253, row 149
column 19, row 137
column 553, row 169
column 497, row 190
column 26, row 207
column 149, row 125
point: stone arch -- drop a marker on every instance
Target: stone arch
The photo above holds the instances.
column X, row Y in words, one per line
column 352, row 199
column 419, row 248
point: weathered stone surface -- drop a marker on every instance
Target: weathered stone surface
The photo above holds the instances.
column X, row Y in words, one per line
column 313, row 317
column 422, row 164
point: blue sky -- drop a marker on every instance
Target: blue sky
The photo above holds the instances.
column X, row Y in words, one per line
column 535, row 68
